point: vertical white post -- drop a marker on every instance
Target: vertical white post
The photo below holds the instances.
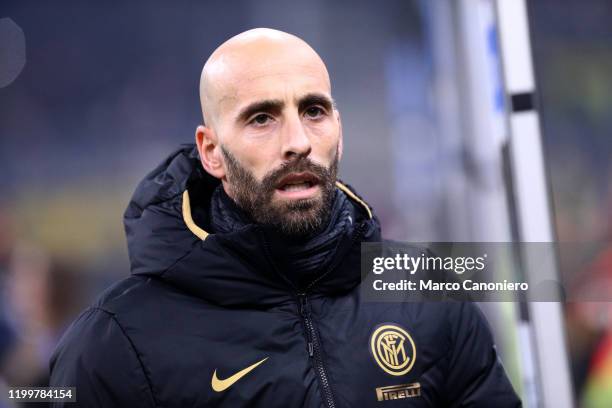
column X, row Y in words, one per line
column 484, row 133
column 532, row 206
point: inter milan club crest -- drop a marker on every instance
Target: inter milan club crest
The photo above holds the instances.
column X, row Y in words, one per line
column 393, row 349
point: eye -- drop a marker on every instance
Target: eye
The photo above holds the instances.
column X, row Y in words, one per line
column 314, row 112
column 260, row 120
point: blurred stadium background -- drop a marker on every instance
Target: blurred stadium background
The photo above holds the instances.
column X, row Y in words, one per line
column 94, row 95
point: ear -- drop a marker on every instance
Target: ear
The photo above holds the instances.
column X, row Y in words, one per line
column 210, row 151
column 340, row 143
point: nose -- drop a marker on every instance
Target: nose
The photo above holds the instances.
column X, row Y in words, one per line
column 296, row 141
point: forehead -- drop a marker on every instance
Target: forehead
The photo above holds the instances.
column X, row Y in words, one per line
column 279, row 79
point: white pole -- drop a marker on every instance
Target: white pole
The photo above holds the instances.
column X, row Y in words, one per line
column 532, row 206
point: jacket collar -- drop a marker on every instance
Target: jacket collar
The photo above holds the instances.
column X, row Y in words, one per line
column 167, row 227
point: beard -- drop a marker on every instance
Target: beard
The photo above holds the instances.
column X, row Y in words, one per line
column 293, row 218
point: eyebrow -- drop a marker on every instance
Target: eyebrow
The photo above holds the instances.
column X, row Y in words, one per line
column 316, row 99
column 275, row 106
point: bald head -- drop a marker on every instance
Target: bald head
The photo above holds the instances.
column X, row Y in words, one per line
column 251, row 55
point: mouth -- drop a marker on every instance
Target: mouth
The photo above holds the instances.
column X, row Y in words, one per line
column 298, row 185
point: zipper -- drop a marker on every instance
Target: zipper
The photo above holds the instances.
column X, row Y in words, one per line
column 314, row 351
column 312, row 339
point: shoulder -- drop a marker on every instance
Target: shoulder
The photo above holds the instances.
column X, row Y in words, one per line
column 466, row 321
column 98, row 328
column 95, row 354
column 86, row 338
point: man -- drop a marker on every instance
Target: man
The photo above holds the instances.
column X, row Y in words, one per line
column 245, row 255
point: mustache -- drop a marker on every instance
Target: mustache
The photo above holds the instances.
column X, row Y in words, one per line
column 300, row 165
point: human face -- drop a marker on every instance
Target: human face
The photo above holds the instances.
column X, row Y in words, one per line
column 277, row 120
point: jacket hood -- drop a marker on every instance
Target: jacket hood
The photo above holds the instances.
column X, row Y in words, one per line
column 167, row 228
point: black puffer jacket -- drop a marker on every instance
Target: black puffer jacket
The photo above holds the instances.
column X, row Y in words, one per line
column 210, row 320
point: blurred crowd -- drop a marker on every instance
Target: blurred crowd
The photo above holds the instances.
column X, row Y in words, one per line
column 40, row 295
